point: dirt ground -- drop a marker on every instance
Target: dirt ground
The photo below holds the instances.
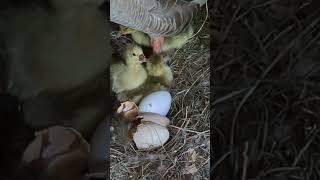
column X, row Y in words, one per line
column 266, row 84
column 187, row 153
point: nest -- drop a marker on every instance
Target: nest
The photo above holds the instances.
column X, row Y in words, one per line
column 187, row 153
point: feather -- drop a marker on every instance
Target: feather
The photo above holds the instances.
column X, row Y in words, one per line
column 155, row 17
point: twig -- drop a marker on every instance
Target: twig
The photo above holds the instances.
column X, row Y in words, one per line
column 222, row 158
column 187, row 130
column 228, row 96
column 296, row 160
column 227, row 63
column 312, row 41
column 226, row 32
column 245, row 161
column 280, row 169
column 202, row 25
column 266, row 3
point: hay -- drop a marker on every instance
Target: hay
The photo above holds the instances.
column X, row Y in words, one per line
column 187, row 153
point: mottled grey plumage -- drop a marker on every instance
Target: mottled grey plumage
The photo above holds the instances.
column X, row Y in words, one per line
column 155, row 17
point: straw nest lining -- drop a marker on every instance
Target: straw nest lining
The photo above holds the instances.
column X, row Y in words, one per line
column 187, row 153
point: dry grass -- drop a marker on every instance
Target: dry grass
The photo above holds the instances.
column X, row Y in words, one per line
column 189, row 144
column 266, row 117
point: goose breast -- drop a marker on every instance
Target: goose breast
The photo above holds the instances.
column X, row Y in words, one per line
column 155, row 17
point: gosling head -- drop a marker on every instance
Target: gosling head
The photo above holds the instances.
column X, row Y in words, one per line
column 134, row 54
column 155, row 65
column 156, row 59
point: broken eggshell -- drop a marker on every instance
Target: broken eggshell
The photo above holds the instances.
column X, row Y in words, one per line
column 149, row 135
column 158, row 102
column 128, row 110
column 59, row 152
column 155, row 118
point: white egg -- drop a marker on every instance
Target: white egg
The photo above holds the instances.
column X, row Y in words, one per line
column 158, row 102
column 149, row 136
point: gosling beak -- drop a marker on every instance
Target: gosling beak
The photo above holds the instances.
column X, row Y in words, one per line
column 142, row 58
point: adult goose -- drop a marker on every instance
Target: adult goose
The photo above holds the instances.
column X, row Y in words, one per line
column 157, row 18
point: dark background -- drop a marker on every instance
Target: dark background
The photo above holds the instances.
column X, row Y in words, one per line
column 265, row 89
column 15, row 135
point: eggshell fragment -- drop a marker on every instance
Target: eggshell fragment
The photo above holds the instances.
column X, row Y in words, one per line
column 58, row 152
column 155, row 118
column 149, row 136
column 158, row 102
column 128, row 110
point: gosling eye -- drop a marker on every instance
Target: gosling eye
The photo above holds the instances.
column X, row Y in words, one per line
column 134, row 54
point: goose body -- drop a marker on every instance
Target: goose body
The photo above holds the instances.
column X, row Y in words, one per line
column 155, row 17
column 172, row 42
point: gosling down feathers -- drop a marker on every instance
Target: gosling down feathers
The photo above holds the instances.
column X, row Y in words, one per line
column 159, row 71
column 128, row 73
column 155, row 17
column 159, row 78
column 172, row 42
